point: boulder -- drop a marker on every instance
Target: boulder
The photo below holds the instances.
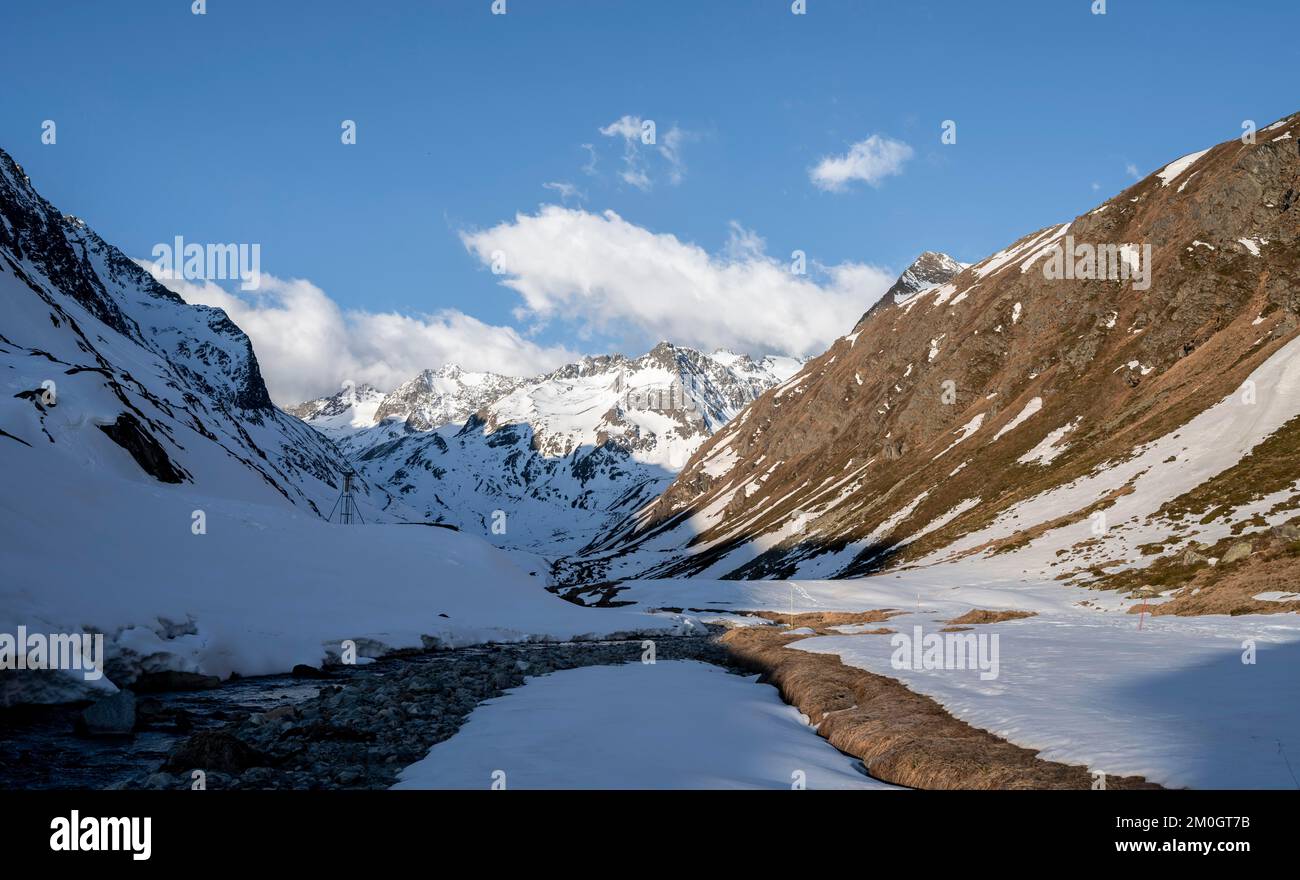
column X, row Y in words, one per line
column 215, row 750
column 1287, row 531
column 113, row 715
column 1237, row 552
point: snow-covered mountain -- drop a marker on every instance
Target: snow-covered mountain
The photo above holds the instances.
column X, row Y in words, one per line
column 155, row 496
column 343, row 412
column 1125, row 414
column 107, row 369
column 563, row 456
column 443, row 396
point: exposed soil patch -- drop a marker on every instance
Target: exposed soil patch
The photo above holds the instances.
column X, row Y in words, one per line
column 979, row 615
column 901, row 736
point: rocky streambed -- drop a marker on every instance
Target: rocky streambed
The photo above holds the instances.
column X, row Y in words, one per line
column 354, row 727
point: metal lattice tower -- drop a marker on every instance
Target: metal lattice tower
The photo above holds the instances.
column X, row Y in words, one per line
column 346, row 505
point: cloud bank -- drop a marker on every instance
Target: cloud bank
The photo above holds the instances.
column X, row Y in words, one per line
column 611, row 276
column 308, row 346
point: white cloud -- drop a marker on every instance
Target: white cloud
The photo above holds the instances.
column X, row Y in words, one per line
column 565, row 190
column 636, row 177
column 671, row 150
column 744, row 244
column 627, row 127
column 1132, row 171
column 590, row 167
column 307, row 346
column 870, row 161
column 609, row 275
column 636, row 170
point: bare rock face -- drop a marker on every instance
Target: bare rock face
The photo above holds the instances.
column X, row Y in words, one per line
column 963, row 394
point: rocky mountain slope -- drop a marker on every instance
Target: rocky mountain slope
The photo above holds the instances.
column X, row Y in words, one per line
column 549, row 462
column 1033, row 421
column 104, row 368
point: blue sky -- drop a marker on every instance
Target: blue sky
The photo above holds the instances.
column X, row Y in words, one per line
column 226, row 127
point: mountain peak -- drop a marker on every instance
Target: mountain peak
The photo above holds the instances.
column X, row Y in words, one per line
column 930, row 269
column 927, row 271
column 449, row 370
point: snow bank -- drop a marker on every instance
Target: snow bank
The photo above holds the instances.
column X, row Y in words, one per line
column 1170, row 172
column 264, row 589
column 673, row 724
column 1171, row 701
column 1033, row 406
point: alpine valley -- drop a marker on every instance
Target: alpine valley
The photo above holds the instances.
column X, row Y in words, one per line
column 1014, row 528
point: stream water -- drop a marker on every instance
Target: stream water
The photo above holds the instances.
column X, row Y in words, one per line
column 41, row 747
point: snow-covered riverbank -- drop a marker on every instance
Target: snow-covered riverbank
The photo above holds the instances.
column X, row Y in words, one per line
column 1200, row 702
column 261, row 589
column 671, row 724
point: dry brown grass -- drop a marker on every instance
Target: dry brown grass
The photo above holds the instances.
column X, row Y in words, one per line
column 1232, row 591
column 901, row 736
column 821, row 621
column 1197, row 587
column 979, row 615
